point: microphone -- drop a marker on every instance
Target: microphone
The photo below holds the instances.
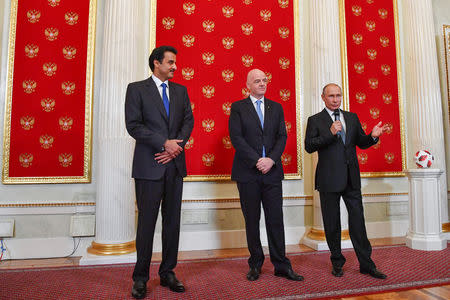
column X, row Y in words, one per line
column 337, row 117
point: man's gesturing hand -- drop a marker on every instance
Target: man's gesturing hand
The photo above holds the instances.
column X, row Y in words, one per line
column 378, row 130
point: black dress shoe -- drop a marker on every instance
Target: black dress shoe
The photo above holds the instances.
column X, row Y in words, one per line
column 338, row 272
column 253, row 274
column 290, row 274
column 172, row 282
column 374, row 273
column 139, row 289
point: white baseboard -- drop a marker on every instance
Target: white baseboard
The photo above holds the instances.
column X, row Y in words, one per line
column 25, row 248
column 387, row 229
column 189, row 240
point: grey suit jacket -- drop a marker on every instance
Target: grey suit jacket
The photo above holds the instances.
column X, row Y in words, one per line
column 146, row 121
column 248, row 138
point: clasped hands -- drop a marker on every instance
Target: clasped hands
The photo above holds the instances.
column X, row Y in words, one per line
column 171, row 150
column 264, row 164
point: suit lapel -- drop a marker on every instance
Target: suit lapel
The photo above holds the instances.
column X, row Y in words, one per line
column 172, row 104
column 252, row 111
column 326, row 118
column 155, row 96
column 349, row 126
column 267, row 114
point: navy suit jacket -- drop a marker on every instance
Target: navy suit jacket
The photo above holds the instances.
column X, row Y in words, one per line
column 248, row 138
column 146, row 121
column 337, row 162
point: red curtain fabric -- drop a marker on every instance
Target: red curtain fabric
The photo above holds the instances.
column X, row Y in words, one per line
column 218, row 42
column 48, row 111
column 373, row 85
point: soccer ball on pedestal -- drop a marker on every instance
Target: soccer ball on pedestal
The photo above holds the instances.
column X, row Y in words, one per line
column 423, row 159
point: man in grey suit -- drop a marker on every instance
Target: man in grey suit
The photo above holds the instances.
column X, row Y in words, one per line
column 334, row 134
column 158, row 116
column 258, row 134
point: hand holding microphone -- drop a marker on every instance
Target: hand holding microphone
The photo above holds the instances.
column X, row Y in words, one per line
column 336, row 127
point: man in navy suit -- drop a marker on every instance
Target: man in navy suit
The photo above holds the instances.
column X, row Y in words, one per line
column 158, row 116
column 334, row 134
column 258, row 134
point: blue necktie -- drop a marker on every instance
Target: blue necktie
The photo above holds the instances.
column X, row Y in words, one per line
column 261, row 119
column 165, row 98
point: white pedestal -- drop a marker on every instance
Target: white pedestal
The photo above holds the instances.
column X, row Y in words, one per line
column 425, row 228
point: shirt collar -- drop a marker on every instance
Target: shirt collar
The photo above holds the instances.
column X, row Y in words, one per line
column 331, row 112
column 254, row 99
column 158, row 81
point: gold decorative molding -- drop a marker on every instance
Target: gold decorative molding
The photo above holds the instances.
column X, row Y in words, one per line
column 446, row 30
column 226, row 200
column 112, row 249
column 319, row 235
column 89, row 92
column 384, row 194
column 446, row 227
column 48, row 204
column 345, row 85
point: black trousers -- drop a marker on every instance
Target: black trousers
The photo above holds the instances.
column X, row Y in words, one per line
column 329, row 202
column 252, row 194
column 149, row 194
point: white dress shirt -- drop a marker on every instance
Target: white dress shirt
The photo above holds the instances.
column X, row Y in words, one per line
column 256, row 105
column 341, row 117
column 158, row 83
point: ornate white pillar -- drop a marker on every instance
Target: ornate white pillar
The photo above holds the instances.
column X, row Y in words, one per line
column 423, row 97
column 425, row 229
column 122, row 61
column 325, row 68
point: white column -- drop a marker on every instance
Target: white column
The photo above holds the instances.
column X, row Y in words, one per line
column 121, row 63
column 325, row 67
column 423, row 97
column 425, row 229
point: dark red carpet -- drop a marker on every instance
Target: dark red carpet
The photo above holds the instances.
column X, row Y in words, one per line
column 225, row 278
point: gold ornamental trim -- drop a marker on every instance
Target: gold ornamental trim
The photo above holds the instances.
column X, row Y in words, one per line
column 298, row 88
column 384, row 194
column 112, row 249
column 446, row 31
column 446, row 227
column 87, row 168
column 345, row 85
column 319, row 235
column 230, row 200
column 21, row 205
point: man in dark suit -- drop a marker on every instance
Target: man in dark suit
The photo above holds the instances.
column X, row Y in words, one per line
column 158, row 116
column 334, row 134
column 258, row 134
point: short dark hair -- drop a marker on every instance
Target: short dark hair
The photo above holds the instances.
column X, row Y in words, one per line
column 330, row 84
column 158, row 54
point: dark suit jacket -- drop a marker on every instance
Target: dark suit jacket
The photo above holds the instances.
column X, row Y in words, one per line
column 146, row 121
column 248, row 138
column 336, row 160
